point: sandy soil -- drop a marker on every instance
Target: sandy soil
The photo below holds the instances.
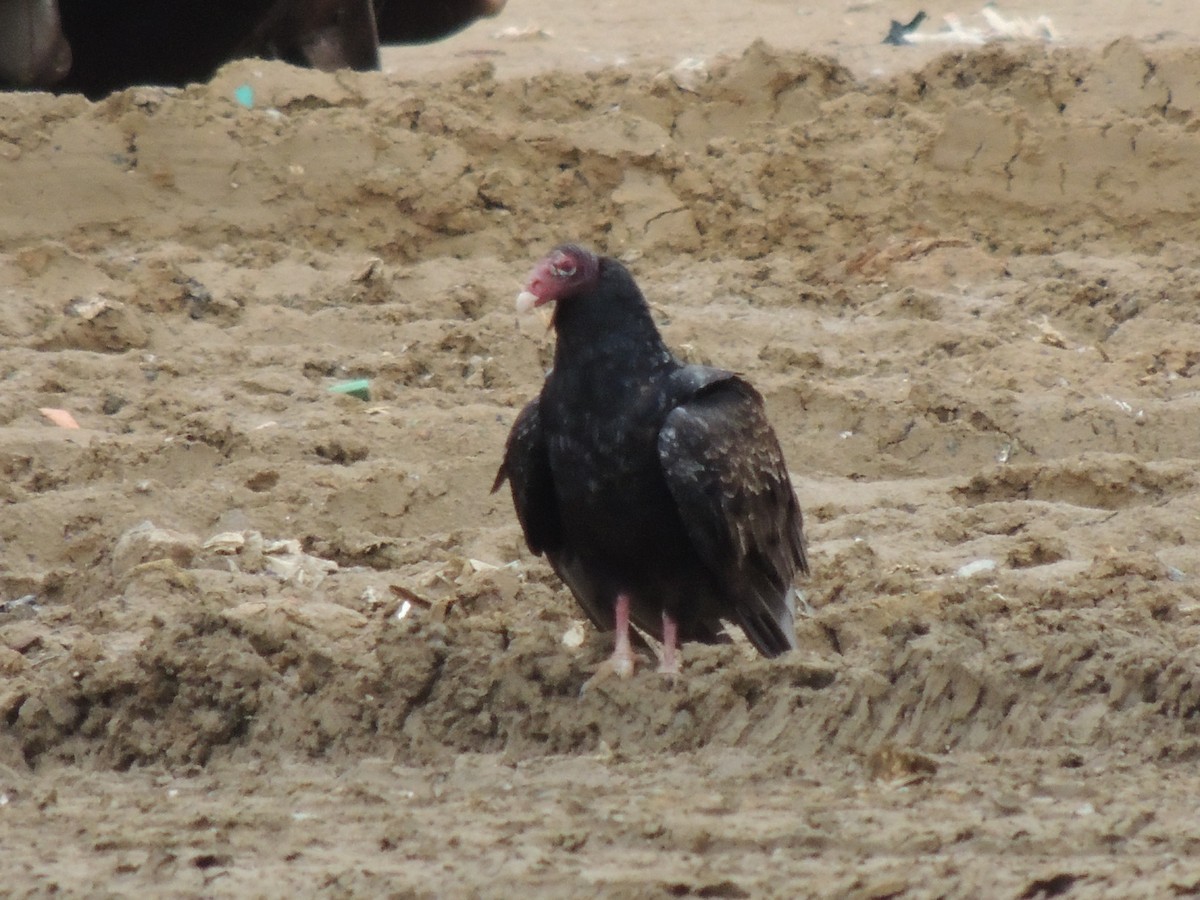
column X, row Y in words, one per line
column 966, row 280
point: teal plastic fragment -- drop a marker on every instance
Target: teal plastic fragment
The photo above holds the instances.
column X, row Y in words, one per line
column 244, row 94
column 360, row 388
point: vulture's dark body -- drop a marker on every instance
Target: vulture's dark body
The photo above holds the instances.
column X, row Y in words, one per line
column 635, row 473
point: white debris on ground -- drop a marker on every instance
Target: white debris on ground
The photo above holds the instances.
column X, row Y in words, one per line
column 523, row 33
column 994, row 27
column 284, row 559
column 687, row 74
column 975, row 568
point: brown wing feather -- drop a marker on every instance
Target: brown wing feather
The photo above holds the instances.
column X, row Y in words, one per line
column 726, row 472
column 526, row 467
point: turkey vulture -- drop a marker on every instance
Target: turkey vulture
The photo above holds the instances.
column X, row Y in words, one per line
column 657, row 490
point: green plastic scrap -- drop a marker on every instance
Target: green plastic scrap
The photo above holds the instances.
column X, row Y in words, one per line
column 360, row 388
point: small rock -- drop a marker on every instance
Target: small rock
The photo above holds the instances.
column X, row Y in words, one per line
column 11, row 661
column 147, row 542
column 99, row 325
column 900, row 765
column 21, row 637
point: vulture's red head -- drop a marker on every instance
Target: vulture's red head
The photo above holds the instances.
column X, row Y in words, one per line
column 565, row 271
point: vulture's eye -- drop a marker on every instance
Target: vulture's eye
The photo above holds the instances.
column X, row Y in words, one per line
column 566, row 270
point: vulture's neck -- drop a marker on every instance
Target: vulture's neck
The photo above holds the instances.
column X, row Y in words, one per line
column 611, row 331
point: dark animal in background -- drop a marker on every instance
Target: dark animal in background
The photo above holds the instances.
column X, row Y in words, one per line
column 99, row 47
column 657, row 490
column 33, row 50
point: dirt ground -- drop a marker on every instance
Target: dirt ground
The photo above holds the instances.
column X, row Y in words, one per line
column 261, row 638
